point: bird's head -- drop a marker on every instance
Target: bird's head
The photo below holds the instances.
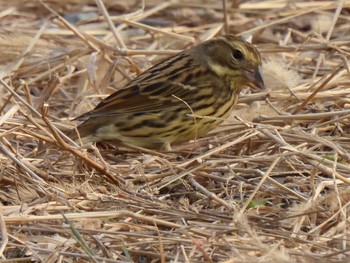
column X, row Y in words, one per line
column 234, row 60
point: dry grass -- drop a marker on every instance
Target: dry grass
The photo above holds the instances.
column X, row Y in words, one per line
column 270, row 185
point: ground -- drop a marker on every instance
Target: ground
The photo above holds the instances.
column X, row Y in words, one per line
column 269, row 185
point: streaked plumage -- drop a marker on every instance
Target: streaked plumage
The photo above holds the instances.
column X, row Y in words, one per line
column 178, row 99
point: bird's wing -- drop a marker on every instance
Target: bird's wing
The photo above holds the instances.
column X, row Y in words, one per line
column 144, row 95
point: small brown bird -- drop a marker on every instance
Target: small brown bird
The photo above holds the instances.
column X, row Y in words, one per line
column 178, row 99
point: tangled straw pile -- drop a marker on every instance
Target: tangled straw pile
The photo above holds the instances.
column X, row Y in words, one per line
column 270, row 185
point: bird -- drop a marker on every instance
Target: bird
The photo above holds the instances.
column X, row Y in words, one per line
column 178, row 99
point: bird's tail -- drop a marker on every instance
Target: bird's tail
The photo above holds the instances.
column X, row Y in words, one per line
column 83, row 133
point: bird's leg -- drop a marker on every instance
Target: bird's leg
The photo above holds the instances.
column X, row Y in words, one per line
column 167, row 147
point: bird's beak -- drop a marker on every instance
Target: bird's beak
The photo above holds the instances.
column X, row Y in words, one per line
column 255, row 77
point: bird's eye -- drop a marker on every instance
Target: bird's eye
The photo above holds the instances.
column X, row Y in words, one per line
column 237, row 54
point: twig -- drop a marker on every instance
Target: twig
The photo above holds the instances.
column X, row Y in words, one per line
column 4, row 235
column 207, row 193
